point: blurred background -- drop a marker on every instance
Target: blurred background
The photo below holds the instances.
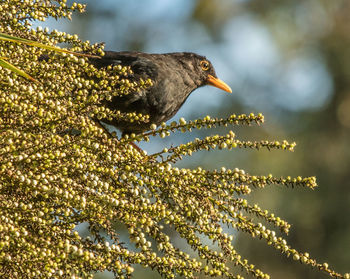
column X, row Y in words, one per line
column 288, row 59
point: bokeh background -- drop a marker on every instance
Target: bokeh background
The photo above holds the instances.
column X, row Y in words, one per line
column 289, row 60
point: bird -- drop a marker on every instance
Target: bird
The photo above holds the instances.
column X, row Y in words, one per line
column 174, row 77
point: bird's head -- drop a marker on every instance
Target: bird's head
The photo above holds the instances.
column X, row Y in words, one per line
column 202, row 70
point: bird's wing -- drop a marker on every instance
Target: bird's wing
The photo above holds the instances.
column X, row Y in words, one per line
column 142, row 66
column 140, row 63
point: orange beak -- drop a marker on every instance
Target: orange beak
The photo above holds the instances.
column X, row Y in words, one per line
column 218, row 83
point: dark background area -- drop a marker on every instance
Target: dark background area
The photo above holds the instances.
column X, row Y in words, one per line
column 289, row 60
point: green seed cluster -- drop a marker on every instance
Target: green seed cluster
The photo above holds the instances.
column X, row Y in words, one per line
column 222, row 142
column 206, row 122
column 53, row 179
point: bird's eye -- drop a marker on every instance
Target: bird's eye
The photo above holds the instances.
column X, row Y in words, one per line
column 205, row 65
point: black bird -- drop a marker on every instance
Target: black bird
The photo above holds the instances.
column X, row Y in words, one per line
column 174, row 76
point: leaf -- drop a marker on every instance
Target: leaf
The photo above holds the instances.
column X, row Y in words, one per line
column 13, row 68
column 9, row 38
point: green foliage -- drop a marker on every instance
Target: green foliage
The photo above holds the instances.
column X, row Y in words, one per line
column 17, row 40
column 52, row 180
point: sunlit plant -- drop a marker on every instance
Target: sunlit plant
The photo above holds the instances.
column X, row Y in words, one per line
column 52, row 180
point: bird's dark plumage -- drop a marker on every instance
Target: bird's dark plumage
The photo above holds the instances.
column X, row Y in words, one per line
column 174, row 77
